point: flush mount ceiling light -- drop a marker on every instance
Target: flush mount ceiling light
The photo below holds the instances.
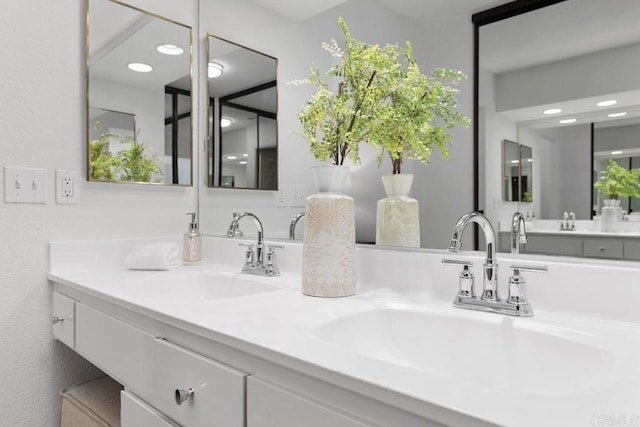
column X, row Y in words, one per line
column 615, row 153
column 607, row 103
column 231, row 157
column 214, row 70
column 170, row 49
column 623, row 113
column 140, row 67
column 566, row 121
column 552, row 111
column 225, row 122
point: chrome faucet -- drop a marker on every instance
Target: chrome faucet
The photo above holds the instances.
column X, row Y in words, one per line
column 292, row 226
column 255, row 261
column 490, row 275
column 518, row 232
column 516, row 304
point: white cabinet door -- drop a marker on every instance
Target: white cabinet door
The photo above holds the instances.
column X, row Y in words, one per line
column 271, row 406
column 64, row 319
column 135, row 413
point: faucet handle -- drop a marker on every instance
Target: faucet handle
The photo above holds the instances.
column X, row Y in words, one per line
column 517, row 283
column 465, row 280
column 271, row 263
column 249, row 256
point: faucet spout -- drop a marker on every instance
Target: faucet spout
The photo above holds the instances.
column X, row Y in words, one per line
column 260, row 245
column 490, row 276
column 292, row 226
column 518, row 232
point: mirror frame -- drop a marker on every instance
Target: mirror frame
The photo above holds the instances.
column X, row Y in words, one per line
column 505, row 11
column 177, row 91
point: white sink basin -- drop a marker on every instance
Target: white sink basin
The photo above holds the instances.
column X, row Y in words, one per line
column 490, row 351
column 202, row 286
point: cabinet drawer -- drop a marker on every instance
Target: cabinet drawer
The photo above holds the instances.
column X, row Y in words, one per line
column 553, row 245
column 271, row 406
column 603, row 248
column 64, row 319
column 135, row 413
column 154, row 370
column 218, row 391
column 632, row 249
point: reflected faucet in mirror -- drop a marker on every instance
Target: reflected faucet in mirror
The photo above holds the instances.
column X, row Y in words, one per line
column 292, row 226
column 518, row 232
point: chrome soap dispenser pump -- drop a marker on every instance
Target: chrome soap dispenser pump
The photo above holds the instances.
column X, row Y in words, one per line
column 192, row 249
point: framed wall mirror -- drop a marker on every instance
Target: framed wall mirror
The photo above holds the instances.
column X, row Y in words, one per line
column 243, row 105
column 139, row 123
column 560, row 77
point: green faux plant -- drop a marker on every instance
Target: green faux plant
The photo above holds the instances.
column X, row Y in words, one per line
column 617, row 182
column 336, row 121
column 420, row 111
column 131, row 165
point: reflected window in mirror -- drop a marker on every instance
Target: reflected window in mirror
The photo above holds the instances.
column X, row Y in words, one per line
column 243, row 136
column 138, row 66
column 517, row 171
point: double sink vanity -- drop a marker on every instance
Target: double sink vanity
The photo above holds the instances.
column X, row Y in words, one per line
column 209, row 345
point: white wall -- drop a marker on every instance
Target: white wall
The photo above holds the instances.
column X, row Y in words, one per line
column 445, row 189
column 41, row 115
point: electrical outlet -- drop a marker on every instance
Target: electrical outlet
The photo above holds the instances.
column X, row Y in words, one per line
column 281, row 198
column 298, row 196
column 67, row 187
column 25, row 185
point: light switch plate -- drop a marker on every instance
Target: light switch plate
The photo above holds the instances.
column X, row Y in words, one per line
column 25, row 185
column 298, row 196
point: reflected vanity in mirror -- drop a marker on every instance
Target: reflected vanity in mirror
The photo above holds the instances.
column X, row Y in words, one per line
column 138, row 96
column 560, row 77
column 243, row 137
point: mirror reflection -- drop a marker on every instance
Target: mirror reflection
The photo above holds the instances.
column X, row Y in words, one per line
column 563, row 81
column 138, row 96
column 243, row 137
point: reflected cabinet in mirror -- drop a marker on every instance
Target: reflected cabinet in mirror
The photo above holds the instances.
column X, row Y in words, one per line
column 243, row 136
column 559, row 77
column 139, row 122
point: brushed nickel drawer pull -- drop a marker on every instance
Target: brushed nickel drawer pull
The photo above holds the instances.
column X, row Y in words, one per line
column 183, row 395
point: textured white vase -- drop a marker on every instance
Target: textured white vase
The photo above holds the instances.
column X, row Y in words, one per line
column 398, row 215
column 329, row 245
column 611, row 213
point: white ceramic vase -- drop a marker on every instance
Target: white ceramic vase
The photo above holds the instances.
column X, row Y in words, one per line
column 329, row 245
column 611, row 214
column 398, row 215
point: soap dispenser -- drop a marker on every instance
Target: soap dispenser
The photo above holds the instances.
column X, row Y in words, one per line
column 192, row 250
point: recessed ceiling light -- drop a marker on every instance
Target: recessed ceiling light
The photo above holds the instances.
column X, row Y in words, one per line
column 231, row 157
column 607, row 103
column 214, row 70
column 615, row 153
column 225, row 122
column 245, row 155
column 565, row 121
column 552, row 111
column 140, row 67
column 242, row 162
column 623, row 113
column 515, row 161
column 170, row 49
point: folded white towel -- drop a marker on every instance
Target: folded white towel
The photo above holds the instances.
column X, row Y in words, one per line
column 153, row 256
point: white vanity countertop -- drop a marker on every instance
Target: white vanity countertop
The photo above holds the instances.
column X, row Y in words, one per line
column 595, row 372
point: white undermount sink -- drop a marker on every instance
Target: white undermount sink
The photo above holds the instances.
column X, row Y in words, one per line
column 202, row 286
column 487, row 350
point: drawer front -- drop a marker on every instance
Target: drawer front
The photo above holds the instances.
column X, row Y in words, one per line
column 135, row 413
column 632, row 249
column 553, row 245
column 603, row 248
column 271, row 406
column 117, row 348
column 154, row 370
column 64, row 319
column 218, row 391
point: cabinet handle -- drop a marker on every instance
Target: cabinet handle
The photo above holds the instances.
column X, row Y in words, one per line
column 183, row 395
column 59, row 319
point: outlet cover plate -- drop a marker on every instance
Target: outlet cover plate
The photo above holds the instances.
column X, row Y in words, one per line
column 67, row 187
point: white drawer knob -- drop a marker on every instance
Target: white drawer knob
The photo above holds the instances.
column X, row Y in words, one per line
column 183, row 395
